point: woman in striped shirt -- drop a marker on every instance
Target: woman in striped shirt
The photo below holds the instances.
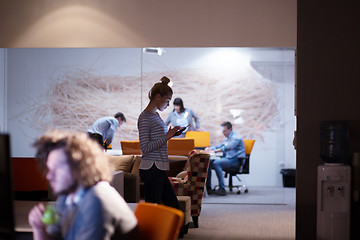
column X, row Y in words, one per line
column 153, row 143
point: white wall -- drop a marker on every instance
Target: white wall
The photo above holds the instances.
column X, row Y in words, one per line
column 3, row 92
column 166, row 23
column 276, row 151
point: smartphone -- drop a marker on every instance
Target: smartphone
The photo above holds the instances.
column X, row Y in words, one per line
column 183, row 128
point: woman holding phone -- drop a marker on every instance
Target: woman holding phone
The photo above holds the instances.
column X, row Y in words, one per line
column 153, row 143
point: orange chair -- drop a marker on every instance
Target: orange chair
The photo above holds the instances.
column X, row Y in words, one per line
column 202, row 139
column 180, row 146
column 108, row 147
column 244, row 168
column 158, row 222
column 130, row 147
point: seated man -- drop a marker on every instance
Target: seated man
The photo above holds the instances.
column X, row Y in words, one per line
column 87, row 205
column 232, row 148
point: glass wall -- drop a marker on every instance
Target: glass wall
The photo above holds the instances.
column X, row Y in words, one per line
column 70, row 88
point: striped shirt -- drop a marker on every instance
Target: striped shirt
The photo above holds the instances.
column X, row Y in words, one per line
column 153, row 142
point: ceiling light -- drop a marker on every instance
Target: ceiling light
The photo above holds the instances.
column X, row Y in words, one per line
column 157, row 50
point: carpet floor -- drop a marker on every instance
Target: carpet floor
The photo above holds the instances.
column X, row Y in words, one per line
column 262, row 213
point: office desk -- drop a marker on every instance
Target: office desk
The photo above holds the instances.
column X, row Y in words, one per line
column 216, row 155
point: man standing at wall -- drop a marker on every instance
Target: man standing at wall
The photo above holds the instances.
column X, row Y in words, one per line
column 103, row 129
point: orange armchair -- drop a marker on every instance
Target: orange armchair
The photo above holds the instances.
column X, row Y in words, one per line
column 158, row 222
column 197, row 168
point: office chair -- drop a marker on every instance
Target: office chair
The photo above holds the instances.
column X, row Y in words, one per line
column 243, row 169
column 158, row 222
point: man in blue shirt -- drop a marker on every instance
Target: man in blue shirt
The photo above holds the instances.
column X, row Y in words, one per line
column 104, row 129
column 232, row 148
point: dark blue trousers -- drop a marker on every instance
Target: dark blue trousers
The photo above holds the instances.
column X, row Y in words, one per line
column 158, row 188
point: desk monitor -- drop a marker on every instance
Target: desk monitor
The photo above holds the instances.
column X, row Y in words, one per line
column 6, row 191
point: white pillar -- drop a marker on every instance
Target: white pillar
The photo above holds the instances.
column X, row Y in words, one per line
column 3, row 91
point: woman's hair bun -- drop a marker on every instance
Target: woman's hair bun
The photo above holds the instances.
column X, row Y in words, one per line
column 165, row 80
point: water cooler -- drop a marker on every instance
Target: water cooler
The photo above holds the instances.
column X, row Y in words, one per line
column 333, row 184
column 333, row 202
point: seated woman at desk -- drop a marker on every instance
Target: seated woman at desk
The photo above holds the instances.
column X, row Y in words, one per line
column 183, row 117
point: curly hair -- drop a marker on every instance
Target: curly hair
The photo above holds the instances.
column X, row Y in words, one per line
column 88, row 163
